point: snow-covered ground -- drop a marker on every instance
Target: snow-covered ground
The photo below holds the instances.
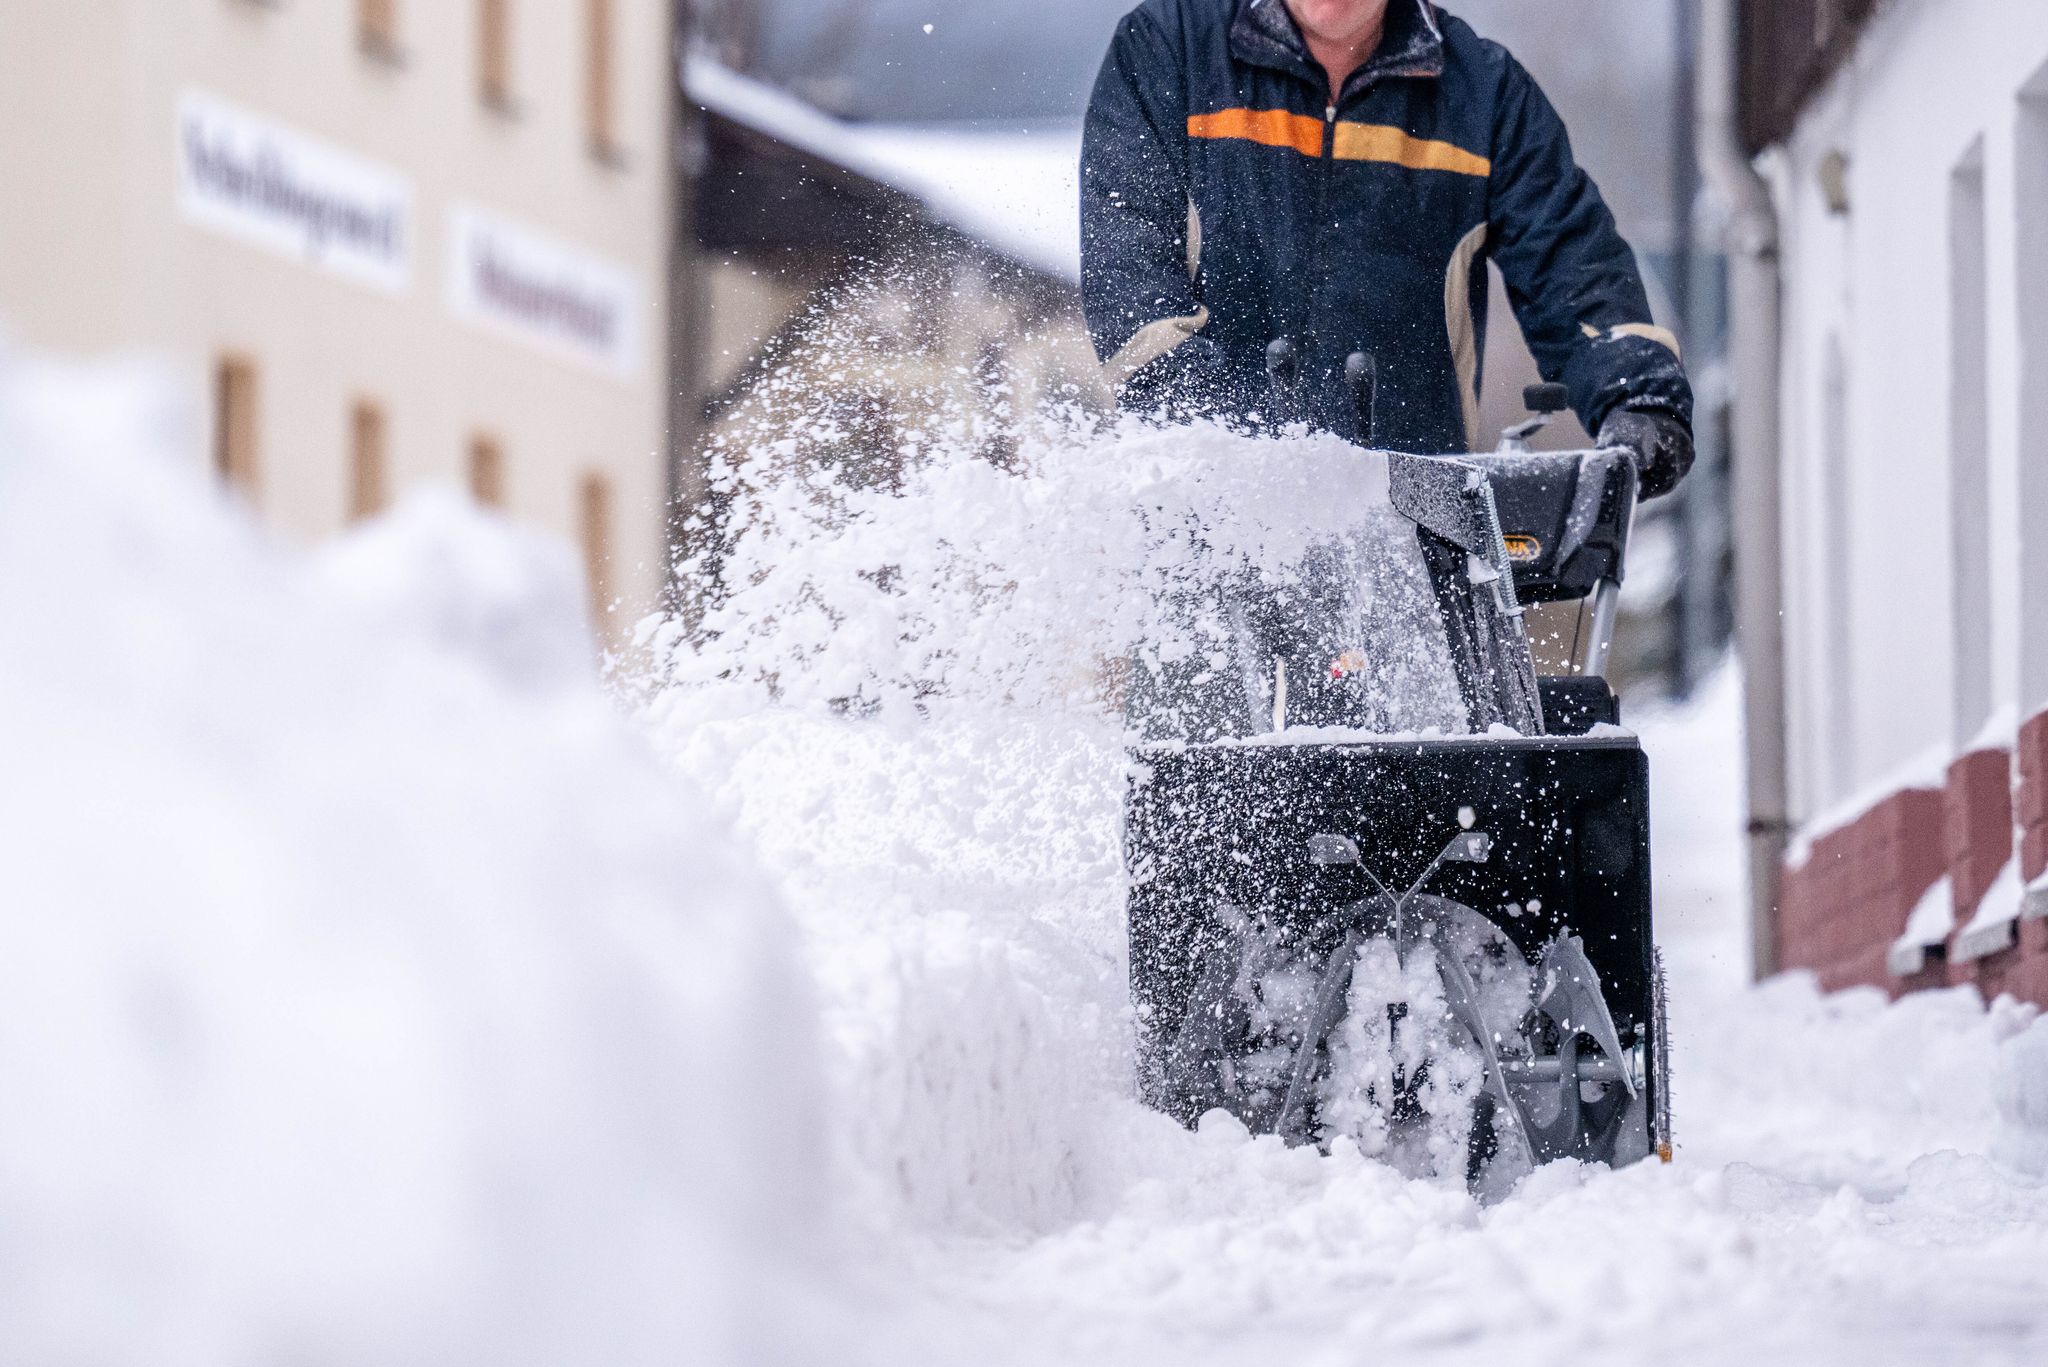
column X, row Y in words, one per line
column 371, row 991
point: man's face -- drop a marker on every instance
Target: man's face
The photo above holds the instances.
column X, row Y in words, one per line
column 1339, row 22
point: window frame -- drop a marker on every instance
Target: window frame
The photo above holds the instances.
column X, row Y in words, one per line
column 485, row 471
column 238, row 422
column 495, row 82
column 369, row 459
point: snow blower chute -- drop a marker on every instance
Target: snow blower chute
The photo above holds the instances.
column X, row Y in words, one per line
column 1440, row 948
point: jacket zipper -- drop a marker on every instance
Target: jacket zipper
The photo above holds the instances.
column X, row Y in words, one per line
column 1324, row 230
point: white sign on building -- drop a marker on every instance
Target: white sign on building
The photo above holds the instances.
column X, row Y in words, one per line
column 516, row 280
column 251, row 178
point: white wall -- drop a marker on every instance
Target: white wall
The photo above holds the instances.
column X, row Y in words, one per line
column 1932, row 79
column 95, row 254
column 2031, row 305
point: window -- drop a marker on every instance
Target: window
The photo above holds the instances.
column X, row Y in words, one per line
column 369, row 468
column 594, row 514
column 377, row 27
column 599, row 99
column 487, row 471
column 235, row 423
column 1970, row 447
column 2032, row 188
column 494, row 52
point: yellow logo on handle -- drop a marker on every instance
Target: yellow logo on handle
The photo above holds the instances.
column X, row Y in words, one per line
column 1523, row 549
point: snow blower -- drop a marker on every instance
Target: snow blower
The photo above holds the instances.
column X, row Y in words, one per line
column 1440, row 946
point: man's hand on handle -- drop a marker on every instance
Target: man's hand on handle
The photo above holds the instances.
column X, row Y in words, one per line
column 1657, row 440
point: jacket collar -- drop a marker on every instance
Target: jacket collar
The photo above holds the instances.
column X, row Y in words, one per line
column 1265, row 34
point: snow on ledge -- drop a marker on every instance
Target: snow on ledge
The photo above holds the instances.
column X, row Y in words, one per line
column 2036, row 908
column 1933, row 917
column 2001, row 731
column 1996, row 924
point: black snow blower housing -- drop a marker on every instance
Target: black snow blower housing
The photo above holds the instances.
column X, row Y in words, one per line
column 1440, row 948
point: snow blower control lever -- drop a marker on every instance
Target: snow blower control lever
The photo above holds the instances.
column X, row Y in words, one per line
column 1362, row 379
column 1361, row 383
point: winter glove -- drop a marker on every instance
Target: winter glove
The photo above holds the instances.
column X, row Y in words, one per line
column 1657, row 440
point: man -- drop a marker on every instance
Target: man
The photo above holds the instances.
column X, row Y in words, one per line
column 1337, row 173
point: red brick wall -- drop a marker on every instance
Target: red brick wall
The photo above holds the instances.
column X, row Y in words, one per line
column 2033, row 797
column 2021, row 971
column 1842, row 910
column 1845, row 906
column 1978, row 816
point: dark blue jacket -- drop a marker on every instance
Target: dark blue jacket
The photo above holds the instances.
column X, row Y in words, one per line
column 1227, row 200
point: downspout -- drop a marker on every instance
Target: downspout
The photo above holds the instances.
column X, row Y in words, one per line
column 1755, row 341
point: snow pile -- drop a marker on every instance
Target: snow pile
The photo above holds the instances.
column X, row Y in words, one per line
column 2021, row 1080
column 442, row 571
column 368, row 993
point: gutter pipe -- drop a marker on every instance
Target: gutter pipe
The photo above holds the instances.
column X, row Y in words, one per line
column 1755, row 351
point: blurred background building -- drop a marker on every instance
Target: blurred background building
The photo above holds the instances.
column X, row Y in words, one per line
column 380, row 241
column 1906, row 151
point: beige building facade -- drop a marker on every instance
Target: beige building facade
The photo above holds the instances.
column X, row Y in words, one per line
column 380, row 243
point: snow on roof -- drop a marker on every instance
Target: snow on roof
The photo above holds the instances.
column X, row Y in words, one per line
column 1018, row 192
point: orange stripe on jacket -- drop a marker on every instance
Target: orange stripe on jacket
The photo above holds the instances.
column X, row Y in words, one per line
column 1269, row 127
column 1377, row 142
column 1351, row 142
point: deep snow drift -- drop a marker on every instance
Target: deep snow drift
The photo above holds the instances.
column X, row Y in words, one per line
column 370, row 992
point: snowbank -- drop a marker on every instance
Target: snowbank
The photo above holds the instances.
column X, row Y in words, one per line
column 2022, row 1089
column 368, row 994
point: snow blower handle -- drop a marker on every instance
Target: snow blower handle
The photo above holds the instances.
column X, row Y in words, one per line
column 1362, row 379
column 1283, row 375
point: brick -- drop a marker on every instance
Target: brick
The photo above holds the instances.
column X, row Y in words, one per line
column 1842, row 910
column 1936, row 974
column 2034, row 852
column 1863, row 968
column 1978, row 824
column 2033, row 797
column 2033, row 747
column 2020, row 972
column 2034, row 940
